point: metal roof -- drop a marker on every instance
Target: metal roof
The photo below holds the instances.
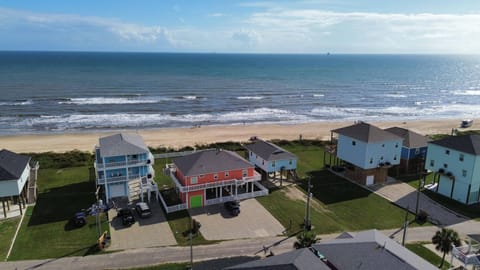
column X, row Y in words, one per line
column 464, row 143
column 300, row 259
column 122, row 144
column 12, row 165
column 370, row 250
column 269, row 151
column 366, row 133
column 410, row 139
column 210, row 161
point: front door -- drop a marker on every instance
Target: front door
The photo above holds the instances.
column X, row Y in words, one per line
column 196, row 201
column 370, row 180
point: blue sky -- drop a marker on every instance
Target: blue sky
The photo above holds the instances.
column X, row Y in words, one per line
column 308, row 26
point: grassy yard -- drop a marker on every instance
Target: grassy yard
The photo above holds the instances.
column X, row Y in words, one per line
column 341, row 205
column 179, row 223
column 7, row 229
column 427, row 254
column 163, row 181
column 46, row 231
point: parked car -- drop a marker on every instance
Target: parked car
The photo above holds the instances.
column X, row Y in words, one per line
column 80, row 219
column 126, row 215
column 233, row 207
column 466, row 123
column 143, row 210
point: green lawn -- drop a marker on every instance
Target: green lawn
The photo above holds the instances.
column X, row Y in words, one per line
column 341, row 205
column 7, row 229
column 179, row 223
column 46, row 231
column 427, row 254
column 163, row 181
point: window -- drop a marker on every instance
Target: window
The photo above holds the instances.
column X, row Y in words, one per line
column 354, row 142
column 263, row 162
column 244, row 173
column 251, row 153
column 383, row 145
column 460, row 157
column 193, row 180
column 290, row 162
column 371, row 160
column 464, row 173
column 273, row 163
column 417, row 151
column 227, row 174
column 381, row 158
column 432, row 163
column 201, row 175
column 396, row 145
column 447, row 152
column 215, row 176
column 395, row 157
column 445, row 165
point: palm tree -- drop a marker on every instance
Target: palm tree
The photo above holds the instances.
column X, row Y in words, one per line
column 443, row 241
column 305, row 239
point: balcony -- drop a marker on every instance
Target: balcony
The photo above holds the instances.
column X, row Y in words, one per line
column 123, row 164
column 171, row 171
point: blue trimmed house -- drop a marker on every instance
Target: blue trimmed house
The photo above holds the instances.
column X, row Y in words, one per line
column 455, row 161
column 122, row 163
column 367, row 152
column 270, row 158
column 414, row 151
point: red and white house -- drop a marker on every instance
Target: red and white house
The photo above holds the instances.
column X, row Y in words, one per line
column 213, row 176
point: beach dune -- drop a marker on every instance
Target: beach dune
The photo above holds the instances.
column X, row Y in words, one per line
column 179, row 137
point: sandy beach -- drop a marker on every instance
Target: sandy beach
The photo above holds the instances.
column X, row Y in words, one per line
column 179, row 137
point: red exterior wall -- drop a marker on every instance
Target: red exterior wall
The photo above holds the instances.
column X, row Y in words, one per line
column 208, row 178
column 193, row 193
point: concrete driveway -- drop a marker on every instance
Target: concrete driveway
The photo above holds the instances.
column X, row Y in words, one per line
column 254, row 221
column 149, row 232
column 405, row 196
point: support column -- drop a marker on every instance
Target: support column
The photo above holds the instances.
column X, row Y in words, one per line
column 20, row 204
column 4, row 210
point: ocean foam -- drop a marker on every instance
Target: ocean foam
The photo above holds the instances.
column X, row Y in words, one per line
column 318, row 95
column 395, row 95
column 250, row 98
column 466, row 92
column 17, row 103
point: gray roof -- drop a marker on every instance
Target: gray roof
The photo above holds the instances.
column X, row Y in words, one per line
column 366, row 133
column 122, row 144
column 465, row 143
column 269, row 151
column 12, row 165
column 210, row 161
column 300, row 259
column 410, row 139
column 370, row 250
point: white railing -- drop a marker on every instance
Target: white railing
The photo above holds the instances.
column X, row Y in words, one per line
column 220, row 200
column 130, row 163
column 467, row 254
column 137, row 162
column 173, row 208
column 171, row 171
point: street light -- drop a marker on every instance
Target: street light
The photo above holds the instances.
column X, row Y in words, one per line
column 306, row 222
column 421, row 182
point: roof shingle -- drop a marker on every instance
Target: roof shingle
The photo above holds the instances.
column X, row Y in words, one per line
column 210, row 161
column 122, row 144
column 410, row 139
column 269, row 151
column 464, row 143
column 366, row 133
column 12, row 165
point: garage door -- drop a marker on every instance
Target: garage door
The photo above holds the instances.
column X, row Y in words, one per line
column 370, row 180
column 117, row 190
column 196, row 201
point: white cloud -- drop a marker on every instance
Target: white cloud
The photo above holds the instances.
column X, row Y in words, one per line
column 218, row 14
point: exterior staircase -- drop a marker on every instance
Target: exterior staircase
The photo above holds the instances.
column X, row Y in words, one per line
column 134, row 189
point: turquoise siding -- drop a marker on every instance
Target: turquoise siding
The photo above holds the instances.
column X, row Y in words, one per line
column 115, row 159
column 368, row 155
column 465, row 172
column 271, row 166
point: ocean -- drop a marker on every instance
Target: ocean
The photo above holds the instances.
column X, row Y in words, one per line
column 45, row 92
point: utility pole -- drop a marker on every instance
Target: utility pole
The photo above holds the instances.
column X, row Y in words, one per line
column 421, row 182
column 306, row 222
column 405, row 225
